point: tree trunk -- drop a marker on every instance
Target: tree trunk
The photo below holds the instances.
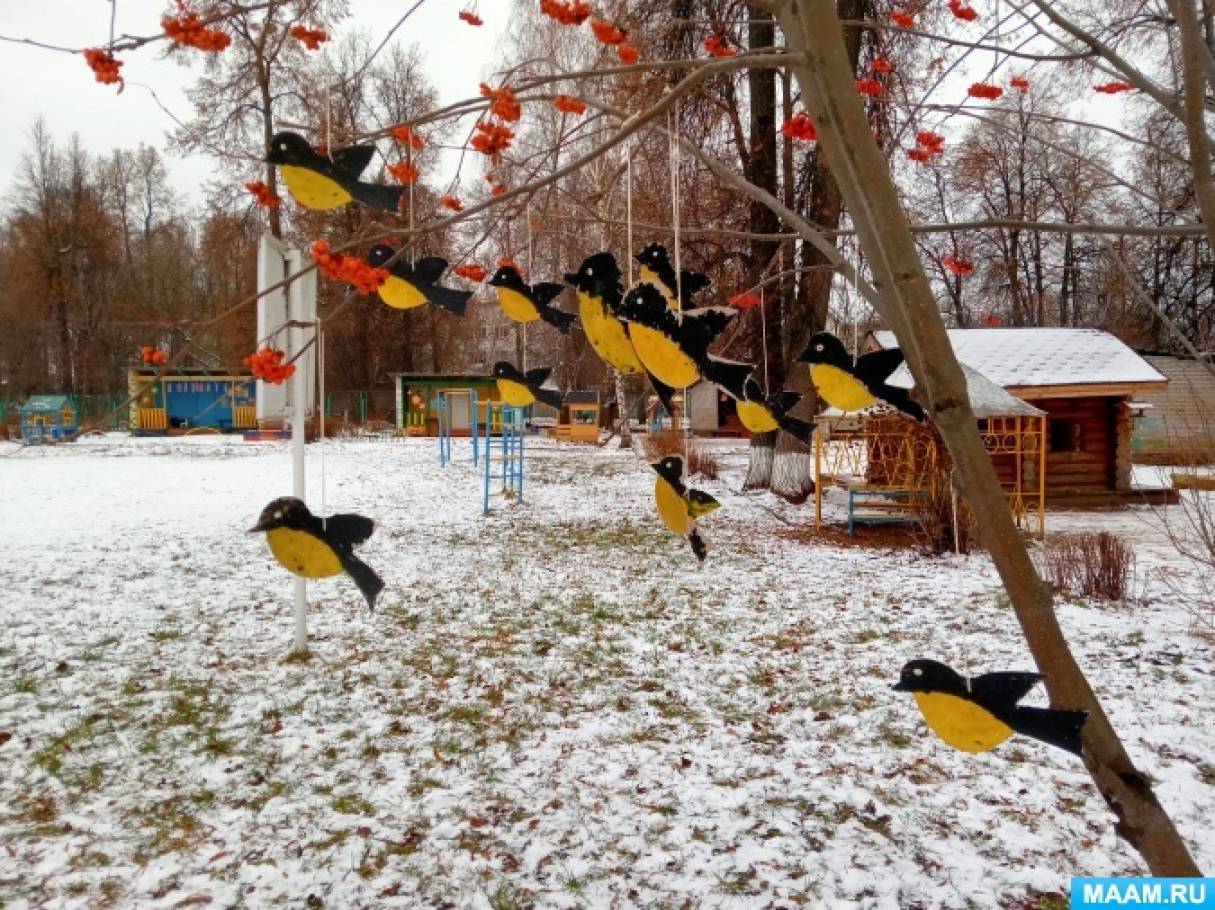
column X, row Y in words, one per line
column 760, row 460
column 907, row 303
column 626, row 430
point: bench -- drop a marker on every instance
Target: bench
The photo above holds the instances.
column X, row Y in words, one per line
column 881, row 505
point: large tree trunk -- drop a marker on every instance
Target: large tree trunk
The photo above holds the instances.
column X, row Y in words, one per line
column 622, row 409
column 907, row 303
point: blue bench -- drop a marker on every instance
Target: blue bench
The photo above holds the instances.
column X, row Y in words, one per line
column 893, row 507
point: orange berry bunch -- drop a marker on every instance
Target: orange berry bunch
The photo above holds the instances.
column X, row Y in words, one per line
column 189, row 31
column 104, row 66
column 351, row 269
column 404, row 172
column 902, row 18
column 985, row 90
column 881, row 66
column 404, row 135
column 472, row 272
column 504, row 104
column 571, row 12
column 928, row 146
column 311, row 38
column 1020, row 83
column 151, row 355
column 801, row 127
column 471, row 18
column 1112, row 88
column 628, row 54
column 963, row 11
column 568, row 105
column 263, row 195
column 267, row 365
column 451, row 202
column 606, row 33
column 960, row 267
column 492, row 138
column 717, row 47
column 869, row 86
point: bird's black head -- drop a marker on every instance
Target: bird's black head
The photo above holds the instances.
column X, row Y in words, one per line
column 290, row 148
column 504, row 369
column 285, row 512
column 752, row 391
column 508, row 277
column 379, row 254
column 597, row 274
column 670, row 469
column 643, row 303
column 655, row 256
column 924, row 675
column 826, row 348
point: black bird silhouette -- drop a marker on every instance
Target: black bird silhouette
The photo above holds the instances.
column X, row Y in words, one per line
column 413, row 285
column 656, row 268
column 323, row 183
column 522, row 302
column 851, row 383
column 519, row 389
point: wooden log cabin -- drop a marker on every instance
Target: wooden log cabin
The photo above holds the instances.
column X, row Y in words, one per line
column 1087, row 382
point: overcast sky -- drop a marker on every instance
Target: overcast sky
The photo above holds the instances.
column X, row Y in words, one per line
column 60, row 87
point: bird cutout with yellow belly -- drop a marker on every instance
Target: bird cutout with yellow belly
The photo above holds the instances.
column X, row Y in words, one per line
column 410, row 286
column 851, row 384
column 674, row 346
column 656, row 269
column 305, row 545
column 763, row 414
column 526, row 303
column 680, row 507
column 976, row 714
column 597, row 283
column 521, row 390
column 323, row 183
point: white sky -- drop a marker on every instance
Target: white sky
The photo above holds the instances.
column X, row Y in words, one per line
column 60, row 87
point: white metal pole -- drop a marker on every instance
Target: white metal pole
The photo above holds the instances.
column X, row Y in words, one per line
column 299, row 414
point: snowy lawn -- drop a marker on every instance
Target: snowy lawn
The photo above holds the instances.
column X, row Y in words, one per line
column 553, row 707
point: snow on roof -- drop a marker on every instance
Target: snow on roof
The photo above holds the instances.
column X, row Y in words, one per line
column 986, row 398
column 1045, row 356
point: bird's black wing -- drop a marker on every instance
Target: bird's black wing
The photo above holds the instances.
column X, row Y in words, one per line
column 786, row 400
column 538, row 375
column 665, row 393
column 364, row 576
column 550, row 397
column 798, row 429
column 726, row 373
column 692, row 283
column 875, row 368
column 430, row 269
column 353, row 159
column 348, row 530
column 699, row 328
column 545, row 291
column 1003, row 689
column 449, row 299
column 1058, row 727
column 375, row 195
column 736, row 390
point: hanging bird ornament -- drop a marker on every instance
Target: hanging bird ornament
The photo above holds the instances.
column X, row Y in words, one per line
column 305, row 545
column 656, row 269
column 521, row 390
column 851, row 384
column 326, row 182
column 410, row 286
column 761, row 413
column 523, row 302
column 680, row 507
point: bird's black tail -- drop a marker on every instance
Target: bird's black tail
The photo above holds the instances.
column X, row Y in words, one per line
column 901, row 399
column 550, row 397
column 377, row 195
column 365, row 577
column 1056, row 727
column 799, row 429
column 450, row 299
column 729, row 374
column 699, row 546
column 558, row 319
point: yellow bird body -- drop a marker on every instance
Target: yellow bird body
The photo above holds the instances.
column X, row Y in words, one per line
column 756, row 417
column 841, row 389
column 662, row 357
column 516, row 394
column 313, row 190
column 302, row 553
column 401, row 295
column 961, row 723
column 517, row 307
column 672, row 508
column 607, row 334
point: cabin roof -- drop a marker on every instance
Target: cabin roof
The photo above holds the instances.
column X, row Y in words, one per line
column 1030, row 357
column 581, row 396
column 40, row 403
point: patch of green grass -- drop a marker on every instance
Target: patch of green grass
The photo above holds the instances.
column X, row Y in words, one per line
column 215, row 745
column 894, row 737
column 507, row 897
column 351, row 804
column 26, row 685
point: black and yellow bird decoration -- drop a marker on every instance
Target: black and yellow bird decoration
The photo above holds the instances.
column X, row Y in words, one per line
column 521, row 390
column 308, row 546
column 761, row 413
column 978, row 713
column 410, row 286
column 326, row 182
column 523, row 302
column 599, row 290
column 680, row 507
column 674, row 346
column 656, row 269
column 851, row 384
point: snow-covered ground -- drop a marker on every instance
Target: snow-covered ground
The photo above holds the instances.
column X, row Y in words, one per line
column 553, row 706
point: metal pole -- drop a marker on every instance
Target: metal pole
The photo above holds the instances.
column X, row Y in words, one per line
column 299, row 415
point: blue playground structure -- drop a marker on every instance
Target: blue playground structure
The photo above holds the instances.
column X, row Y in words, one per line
column 47, row 418
column 507, row 464
column 442, row 406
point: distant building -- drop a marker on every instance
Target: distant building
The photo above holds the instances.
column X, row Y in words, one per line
column 1177, row 425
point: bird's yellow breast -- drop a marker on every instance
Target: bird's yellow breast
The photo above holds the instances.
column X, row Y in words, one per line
column 302, row 553
column 401, row 295
column 607, row 335
column 962, row 723
column 756, row 417
column 516, row 306
column 313, row 190
column 516, row 394
column 840, row 388
column 649, row 276
column 672, row 508
column 662, row 357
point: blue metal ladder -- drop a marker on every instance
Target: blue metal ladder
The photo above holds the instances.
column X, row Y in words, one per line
column 442, row 408
column 504, row 452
